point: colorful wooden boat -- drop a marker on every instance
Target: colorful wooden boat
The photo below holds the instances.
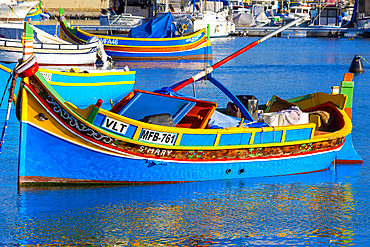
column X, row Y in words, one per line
column 50, row 54
column 159, row 137
column 81, row 87
column 191, row 46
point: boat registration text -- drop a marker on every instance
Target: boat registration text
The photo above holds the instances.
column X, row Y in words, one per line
column 115, row 125
column 158, row 137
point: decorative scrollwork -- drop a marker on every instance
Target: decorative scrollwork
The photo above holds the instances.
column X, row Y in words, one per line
column 75, row 123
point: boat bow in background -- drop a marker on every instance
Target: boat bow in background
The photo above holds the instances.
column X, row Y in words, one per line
column 190, row 46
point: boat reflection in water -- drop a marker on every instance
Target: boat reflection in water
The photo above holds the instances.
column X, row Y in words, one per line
column 316, row 208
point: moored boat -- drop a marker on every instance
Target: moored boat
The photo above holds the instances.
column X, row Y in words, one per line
column 81, row 86
column 161, row 137
column 191, row 46
column 11, row 10
column 50, row 50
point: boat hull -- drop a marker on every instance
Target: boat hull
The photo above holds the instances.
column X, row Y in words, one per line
column 73, row 163
column 50, row 54
column 61, row 143
column 192, row 46
column 15, row 11
column 82, row 88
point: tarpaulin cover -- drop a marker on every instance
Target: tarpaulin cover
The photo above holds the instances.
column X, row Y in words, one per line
column 159, row 27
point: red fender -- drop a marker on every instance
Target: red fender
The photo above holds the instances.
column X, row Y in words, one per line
column 31, row 71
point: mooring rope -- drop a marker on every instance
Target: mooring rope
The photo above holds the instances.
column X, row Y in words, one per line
column 18, row 70
column 363, row 59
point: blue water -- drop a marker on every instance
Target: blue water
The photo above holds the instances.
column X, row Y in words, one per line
column 329, row 208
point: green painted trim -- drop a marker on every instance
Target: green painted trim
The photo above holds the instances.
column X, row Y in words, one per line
column 49, row 87
column 270, row 103
column 346, row 88
column 299, row 98
column 94, row 112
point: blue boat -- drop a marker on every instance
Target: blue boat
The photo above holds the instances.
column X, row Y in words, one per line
column 164, row 137
column 82, row 87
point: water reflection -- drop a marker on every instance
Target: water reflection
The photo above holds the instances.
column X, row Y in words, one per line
column 314, row 208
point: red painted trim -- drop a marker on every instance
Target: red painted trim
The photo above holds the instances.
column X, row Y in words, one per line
column 349, row 162
column 38, row 179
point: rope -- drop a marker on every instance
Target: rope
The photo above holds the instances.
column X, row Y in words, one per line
column 19, row 68
column 363, row 59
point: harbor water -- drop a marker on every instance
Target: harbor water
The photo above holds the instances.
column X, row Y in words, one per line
column 328, row 208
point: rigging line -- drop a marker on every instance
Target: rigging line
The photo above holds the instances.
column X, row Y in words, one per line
column 363, row 59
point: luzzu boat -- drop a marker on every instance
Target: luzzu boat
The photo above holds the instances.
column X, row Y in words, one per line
column 172, row 138
column 191, row 46
column 82, row 86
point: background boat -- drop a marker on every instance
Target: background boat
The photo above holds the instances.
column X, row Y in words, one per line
column 12, row 10
column 167, row 46
column 50, row 50
column 81, row 85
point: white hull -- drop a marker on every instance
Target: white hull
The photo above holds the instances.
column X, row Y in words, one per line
column 217, row 29
column 13, row 11
column 219, row 26
column 50, row 54
column 363, row 22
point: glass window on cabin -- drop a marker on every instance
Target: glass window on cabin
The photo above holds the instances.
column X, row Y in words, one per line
column 299, row 11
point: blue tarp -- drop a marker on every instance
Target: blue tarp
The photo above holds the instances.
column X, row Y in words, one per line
column 159, row 27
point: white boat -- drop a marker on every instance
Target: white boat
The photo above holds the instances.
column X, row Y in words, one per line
column 219, row 25
column 12, row 10
column 124, row 19
column 50, row 50
column 237, row 7
column 362, row 21
column 201, row 15
column 299, row 11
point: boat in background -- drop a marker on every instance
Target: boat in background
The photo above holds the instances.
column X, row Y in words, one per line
column 81, row 86
column 150, row 46
column 51, row 50
column 218, row 23
column 211, row 15
column 164, row 137
column 12, row 10
column 116, row 15
column 299, row 11
column 35, row 13
column 122, row 20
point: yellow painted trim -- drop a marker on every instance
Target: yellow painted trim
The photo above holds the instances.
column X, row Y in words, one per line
column 313, row 133
column 217, row 141
column 137, row 133
column 24, row 103
column 66, row 73
column 283, row 136
column 5, row 69
column 90, row 74
column 251, row 140
column 178, row 140
column 141, row 39
column 53, row 83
